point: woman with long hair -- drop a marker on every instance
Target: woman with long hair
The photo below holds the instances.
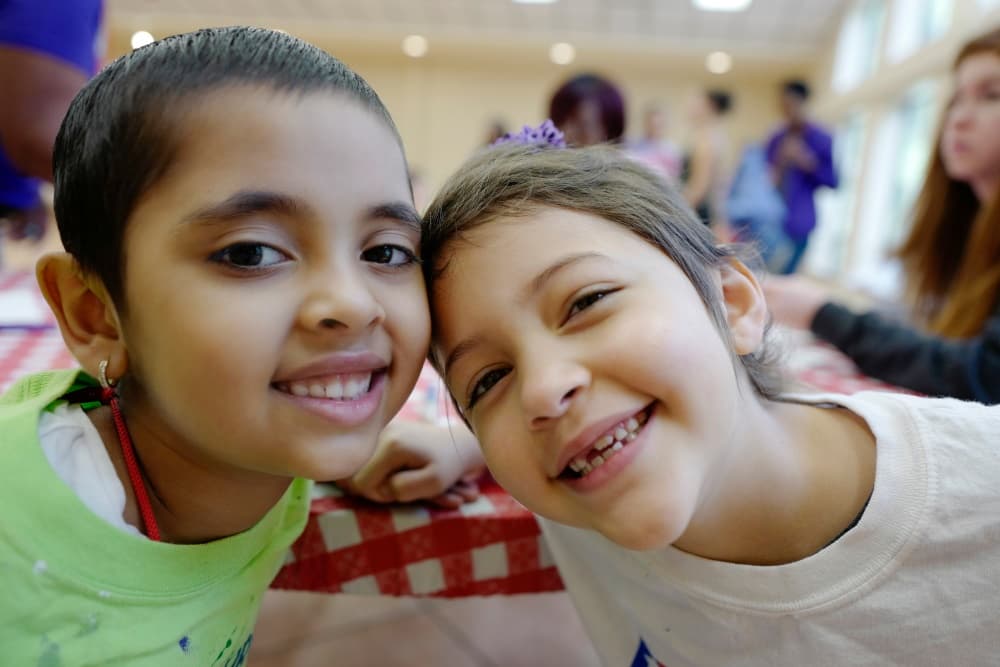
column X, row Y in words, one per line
column 951, row 259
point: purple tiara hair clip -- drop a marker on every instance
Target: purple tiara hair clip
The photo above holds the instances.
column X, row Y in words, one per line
column 545, row 134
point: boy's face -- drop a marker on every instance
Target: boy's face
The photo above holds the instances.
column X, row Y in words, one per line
column 275, row 319
column 561, row 328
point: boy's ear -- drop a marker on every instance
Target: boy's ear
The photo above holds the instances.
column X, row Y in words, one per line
column 746, row 309
column 87, row 317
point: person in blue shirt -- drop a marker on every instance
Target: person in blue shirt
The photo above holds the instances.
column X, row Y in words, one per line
column 48, row 51
column 800, row 154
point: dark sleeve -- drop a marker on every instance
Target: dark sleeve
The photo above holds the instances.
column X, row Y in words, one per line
column 893, row 352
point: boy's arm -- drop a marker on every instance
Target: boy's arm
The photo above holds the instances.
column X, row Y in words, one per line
column 415, row 461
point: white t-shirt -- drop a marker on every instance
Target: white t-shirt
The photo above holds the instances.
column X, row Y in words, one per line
column 916, row 582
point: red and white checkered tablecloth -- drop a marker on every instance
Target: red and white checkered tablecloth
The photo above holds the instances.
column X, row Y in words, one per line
column 490, row 547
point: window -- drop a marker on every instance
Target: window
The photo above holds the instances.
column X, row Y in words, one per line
column 898, row 163
column 858, row 44
column 916, row 23
column 835, row 208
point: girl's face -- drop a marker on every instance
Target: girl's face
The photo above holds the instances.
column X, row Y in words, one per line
column 275, row 317
column 565, row 336
column 970, row 143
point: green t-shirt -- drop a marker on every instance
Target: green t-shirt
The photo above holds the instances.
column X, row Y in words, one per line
column 77, row 591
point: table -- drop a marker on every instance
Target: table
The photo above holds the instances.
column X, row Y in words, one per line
column 490, row 547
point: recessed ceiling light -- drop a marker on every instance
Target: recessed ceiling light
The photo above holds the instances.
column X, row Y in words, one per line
column 562, row 53
column 415, row 46
column 719, row 62
column 141, row 38
column 721, row 5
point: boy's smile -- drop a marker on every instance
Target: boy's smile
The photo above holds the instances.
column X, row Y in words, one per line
column 274, row 316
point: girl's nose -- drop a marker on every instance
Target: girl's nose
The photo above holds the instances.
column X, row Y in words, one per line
column 549, row 390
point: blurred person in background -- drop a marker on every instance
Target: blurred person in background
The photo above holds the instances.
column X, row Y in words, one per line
column 589, row 110
column 655, row 148
column 48, row 50
column 707, row 165
column 951, row 259
column 801, row 157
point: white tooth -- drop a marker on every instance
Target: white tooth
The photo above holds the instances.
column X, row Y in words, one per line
column 356, row 388
column 317, row 390
column 348, row 388
column 299, row 389
column 632, row 424
column 617, row 447
column 366, row 383
column 335, row 389
column 587, row 470
column 597, row 461
column 630, row 437
column 620, row 433
column 605, row 442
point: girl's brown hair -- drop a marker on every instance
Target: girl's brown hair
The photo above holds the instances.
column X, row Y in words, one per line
column 952, row 254
column 514, row 180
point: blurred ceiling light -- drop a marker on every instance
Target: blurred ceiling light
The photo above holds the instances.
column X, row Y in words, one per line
column 535, row 2
column 562, row 53
column 415, row 46
column 141, row 38
column 721, row 5
column 719, row 62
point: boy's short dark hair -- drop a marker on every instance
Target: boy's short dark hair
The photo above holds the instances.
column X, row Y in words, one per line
column 720, row 100
column 121, row 133
column 797, row 88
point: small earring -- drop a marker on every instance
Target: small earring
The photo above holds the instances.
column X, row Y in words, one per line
column 102, row 375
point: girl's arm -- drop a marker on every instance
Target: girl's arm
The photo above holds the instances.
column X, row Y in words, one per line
column 419, row 461
column 700, row 178
column 968, row 369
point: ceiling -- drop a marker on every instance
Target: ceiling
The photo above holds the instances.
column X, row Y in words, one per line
column 772, row 29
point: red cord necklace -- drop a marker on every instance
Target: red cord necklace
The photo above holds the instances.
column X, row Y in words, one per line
column 109, row 397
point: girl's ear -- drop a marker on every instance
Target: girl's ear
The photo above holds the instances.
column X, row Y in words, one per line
column 746, row 309
column 87, row 317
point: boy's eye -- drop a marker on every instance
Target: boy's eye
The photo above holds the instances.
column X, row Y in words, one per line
column 586, row 301
column 484, row 384
column 390, row 255
column 249, row 256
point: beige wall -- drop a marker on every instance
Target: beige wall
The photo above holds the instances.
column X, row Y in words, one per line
column 443, row 102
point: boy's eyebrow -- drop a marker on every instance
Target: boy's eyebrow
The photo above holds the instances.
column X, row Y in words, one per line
column 245, row 203
column 397, row 210
column 248, row 202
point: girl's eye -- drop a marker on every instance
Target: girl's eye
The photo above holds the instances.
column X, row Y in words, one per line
column 484, row 384
column 586, row 301
column 249, row 256
column 390, row 255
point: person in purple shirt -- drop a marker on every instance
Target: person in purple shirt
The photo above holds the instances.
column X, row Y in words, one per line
column 801, row 158
column 48, row 51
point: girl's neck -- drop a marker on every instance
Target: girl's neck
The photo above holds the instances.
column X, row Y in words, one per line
column 194, row 501
column 797, row 479
column 986, row 189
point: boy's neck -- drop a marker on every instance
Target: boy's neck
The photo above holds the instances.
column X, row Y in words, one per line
column 799, row 478
column 194, row 502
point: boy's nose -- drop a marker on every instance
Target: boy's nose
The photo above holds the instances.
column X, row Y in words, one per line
column 344, row 303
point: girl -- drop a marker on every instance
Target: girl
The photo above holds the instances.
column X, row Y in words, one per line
column 618, row 381
column 241, row 276
column 951, row 259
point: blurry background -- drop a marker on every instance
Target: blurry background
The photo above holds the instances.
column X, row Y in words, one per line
column 448, row 69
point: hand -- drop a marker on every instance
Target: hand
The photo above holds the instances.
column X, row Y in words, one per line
column 795, row 151
column 415, row 461
column 794, row 301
